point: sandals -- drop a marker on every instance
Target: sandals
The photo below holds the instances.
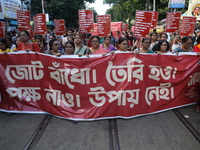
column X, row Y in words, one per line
column 197, row 109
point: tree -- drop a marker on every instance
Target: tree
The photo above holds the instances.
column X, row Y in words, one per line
column 65, row 9
column 94, row 12
column 121, row 10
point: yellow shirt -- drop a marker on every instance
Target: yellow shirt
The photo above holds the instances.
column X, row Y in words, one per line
column 7, row 50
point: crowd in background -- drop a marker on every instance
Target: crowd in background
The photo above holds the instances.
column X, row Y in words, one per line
column 74, row 43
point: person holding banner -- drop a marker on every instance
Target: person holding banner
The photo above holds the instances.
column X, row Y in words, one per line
column 4, row 48
column 69, row 48
column 79, row 47
column 107, row 44
column 26, row 43
column 145, row 46
column 122, row 44
column 54, row 48
column 95, row 49
column 163, row 47
column 186, row 45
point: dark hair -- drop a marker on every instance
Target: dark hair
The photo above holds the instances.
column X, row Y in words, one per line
column 53, row 36
column 164, row 34
column 2, row 40
column 9, row 34
column 95, row 36
column 80, row 35
column 107, row 37
column 146, row 39
column 70, row 29
column 70, row 42
column 25, row 31
column 51, row 43
column 185, row 39
column 8, row 38
column 198, row 40
column 153, row 33
column 122, row 39
column 71, row 38
column 38, row 38
column 118, row 31
column 160, row 43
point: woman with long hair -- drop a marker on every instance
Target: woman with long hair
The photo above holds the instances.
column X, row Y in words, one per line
column 69, row 48
column 54, row 48
column 95, row 49
column 163, row 47
column 26, row 43
column 122, row 44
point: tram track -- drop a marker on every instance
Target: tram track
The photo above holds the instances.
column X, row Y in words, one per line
column 113, row 135
column 187, row 124
column 33, row 140
column 114, row 143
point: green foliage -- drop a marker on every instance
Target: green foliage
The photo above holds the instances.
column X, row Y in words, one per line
column 123, row 9
column 63, row 9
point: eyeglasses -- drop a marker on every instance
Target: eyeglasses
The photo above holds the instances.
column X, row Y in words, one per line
column 147, row 42
column 107, row 39
column 56, row 44
column 95, row 41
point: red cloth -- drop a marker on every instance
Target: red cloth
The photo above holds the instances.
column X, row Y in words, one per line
column 196, row 48
column 32, row 46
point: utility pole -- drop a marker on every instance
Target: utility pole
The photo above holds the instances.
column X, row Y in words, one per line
column 154, row 5
column 43, row 6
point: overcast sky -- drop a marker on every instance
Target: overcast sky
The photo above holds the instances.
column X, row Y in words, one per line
column 99, row 7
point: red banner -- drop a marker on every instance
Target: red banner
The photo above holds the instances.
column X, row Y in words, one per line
column 23, row 19
column 103, row 25
column 36, row 32
column 116, row 26
column 95, row 31
column 142, row 24
column 154, row 19
column 59, row 26
column 41, row 23
column 86, row 20
column 2, row 29
column 118, row 85
column 187, row 26
column 172, row 22
column 124, row 27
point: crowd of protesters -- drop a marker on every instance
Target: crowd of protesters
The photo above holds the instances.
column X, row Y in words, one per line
column 75, row 43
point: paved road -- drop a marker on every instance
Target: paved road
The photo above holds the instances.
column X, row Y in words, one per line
column 177, row 129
